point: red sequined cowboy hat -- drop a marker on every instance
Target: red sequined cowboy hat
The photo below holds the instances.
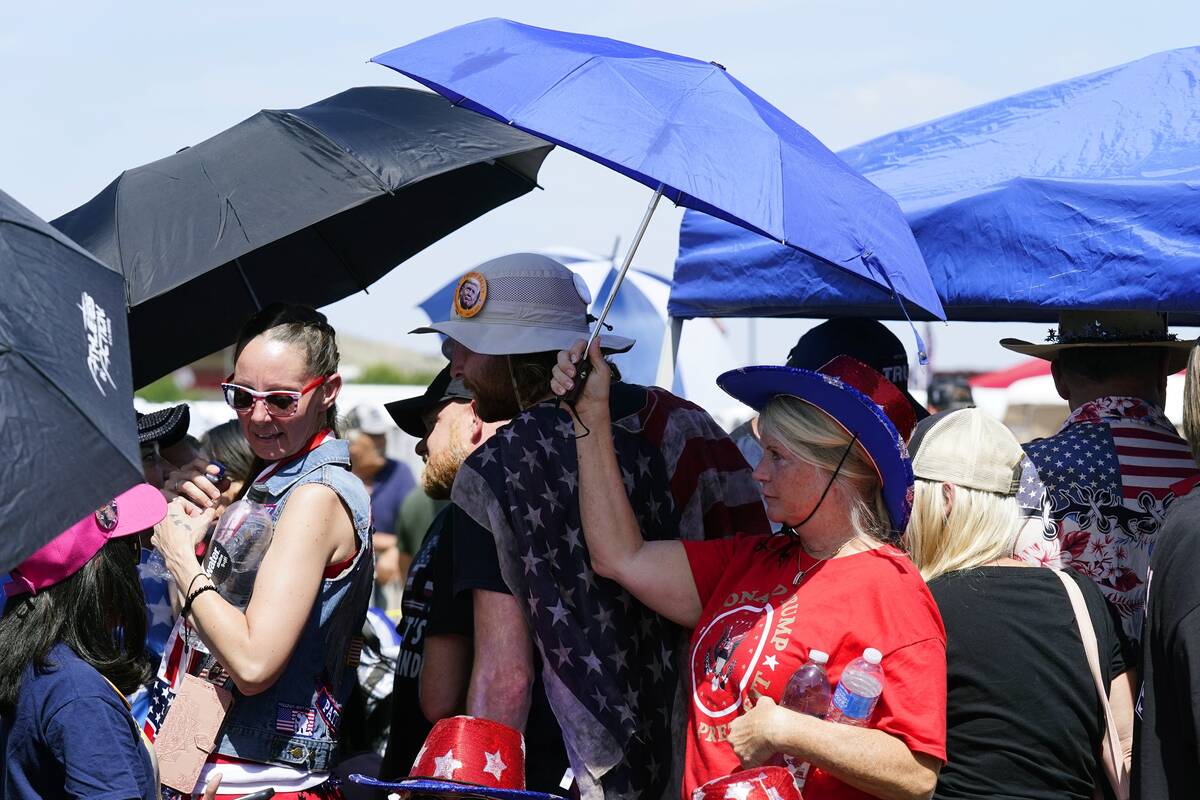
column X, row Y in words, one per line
column 466, row 757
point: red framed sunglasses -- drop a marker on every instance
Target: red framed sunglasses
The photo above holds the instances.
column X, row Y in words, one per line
column 279, row 403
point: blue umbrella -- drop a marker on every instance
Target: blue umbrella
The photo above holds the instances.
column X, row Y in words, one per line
column 1082, row 194
column 687, row 129
column 66, row 394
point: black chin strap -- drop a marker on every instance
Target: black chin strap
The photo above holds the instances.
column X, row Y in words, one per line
column 791, row 529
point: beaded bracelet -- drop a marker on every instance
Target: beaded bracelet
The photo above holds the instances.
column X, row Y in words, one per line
column 187, row 607
column 192, row 582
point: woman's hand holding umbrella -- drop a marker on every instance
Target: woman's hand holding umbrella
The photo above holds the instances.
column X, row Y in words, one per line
column 590, row 404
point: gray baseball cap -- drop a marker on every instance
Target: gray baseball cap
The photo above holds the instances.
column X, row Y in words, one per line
column 521, row 303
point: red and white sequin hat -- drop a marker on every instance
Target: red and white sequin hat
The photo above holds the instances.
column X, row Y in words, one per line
column 466, row 757
column 760, row 783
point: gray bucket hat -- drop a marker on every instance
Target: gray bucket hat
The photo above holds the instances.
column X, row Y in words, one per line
column 521, row 303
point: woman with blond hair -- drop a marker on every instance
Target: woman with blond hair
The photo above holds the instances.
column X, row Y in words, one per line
column 1023, row 715
column 835, row 474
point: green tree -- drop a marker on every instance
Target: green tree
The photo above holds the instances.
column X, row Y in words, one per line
column 386, row 373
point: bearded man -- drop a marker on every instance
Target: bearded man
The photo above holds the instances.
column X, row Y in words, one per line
column 436, row 660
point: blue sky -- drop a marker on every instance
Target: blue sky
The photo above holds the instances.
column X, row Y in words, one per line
column 92, row 88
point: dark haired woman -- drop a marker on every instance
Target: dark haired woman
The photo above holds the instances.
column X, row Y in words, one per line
column 287, row 653
column 71, row 648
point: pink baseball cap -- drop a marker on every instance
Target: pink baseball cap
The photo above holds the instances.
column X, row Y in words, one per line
column 131, row 512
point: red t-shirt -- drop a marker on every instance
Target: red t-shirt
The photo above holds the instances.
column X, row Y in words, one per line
column 756, row 629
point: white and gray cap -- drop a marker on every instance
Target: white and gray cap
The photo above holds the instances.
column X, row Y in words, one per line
column 521, row 303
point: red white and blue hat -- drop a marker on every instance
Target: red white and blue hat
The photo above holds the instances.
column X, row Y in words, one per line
column 760, row 783
column 466, row 757
column 862, row 401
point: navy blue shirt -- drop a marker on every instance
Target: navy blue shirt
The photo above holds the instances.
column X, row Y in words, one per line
column 392, row 484
column 71, row 735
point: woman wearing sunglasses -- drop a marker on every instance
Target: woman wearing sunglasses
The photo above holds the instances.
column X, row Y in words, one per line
column 286, row 655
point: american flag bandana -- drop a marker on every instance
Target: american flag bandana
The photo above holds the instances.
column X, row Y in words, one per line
column 609, row 664
column 1107, row 477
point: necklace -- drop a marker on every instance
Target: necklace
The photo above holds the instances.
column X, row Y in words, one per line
column 800, row 574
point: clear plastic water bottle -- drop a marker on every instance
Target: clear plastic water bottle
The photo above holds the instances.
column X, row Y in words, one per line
column 237, row 546
column 807, row 692
column 154, row 567
column 858, row 690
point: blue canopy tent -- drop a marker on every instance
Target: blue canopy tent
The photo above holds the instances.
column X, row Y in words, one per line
column 1082, row 194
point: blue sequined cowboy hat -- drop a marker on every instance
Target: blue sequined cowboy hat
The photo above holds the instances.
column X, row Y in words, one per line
column 862, row 401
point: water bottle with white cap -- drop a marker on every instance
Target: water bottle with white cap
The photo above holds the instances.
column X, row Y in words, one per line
column 238, row 545
column 858, row 690
column 806, row 692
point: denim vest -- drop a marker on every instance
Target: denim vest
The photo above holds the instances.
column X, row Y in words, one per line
column 295, row 722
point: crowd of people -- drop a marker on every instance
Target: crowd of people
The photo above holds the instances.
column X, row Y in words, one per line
column 608, row 593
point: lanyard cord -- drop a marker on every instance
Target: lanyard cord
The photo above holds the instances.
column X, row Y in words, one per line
column 791, row 529
column 313, row 444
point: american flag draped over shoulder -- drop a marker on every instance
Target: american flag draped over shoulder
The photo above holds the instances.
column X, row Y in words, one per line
column 610, row 665
column 1107, row 474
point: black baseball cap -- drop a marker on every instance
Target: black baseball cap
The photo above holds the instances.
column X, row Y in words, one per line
column 409, row 414
column 866, row 340
column 167, row 426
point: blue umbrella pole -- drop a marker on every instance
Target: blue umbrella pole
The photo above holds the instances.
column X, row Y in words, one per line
column 585, row 367
column 633, row 246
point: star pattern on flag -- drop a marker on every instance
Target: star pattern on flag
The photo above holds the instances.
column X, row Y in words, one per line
column 487, row 455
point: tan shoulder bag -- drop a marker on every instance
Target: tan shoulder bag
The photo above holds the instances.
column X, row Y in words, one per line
column 1110, row 748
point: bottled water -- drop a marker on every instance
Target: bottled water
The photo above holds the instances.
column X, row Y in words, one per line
column 238, row 545
column 154, row 567
column 858, row 690
column 807, row 691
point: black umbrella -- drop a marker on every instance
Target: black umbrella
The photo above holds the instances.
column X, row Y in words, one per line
column 66, row 400
column 306, row 205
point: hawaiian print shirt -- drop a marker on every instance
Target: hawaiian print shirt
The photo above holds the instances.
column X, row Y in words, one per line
column 1107, row 477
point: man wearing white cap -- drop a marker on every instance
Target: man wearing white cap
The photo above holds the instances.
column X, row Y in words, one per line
column 608, row 662
column 1108, row 471
column 388, row 481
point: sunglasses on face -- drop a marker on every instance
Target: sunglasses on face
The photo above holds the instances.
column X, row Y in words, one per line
column 279, row 403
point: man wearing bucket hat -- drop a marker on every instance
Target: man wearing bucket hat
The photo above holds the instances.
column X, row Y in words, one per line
column 65, row 726
column 1107, row 472
column 836, row 474
column 608, row 662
